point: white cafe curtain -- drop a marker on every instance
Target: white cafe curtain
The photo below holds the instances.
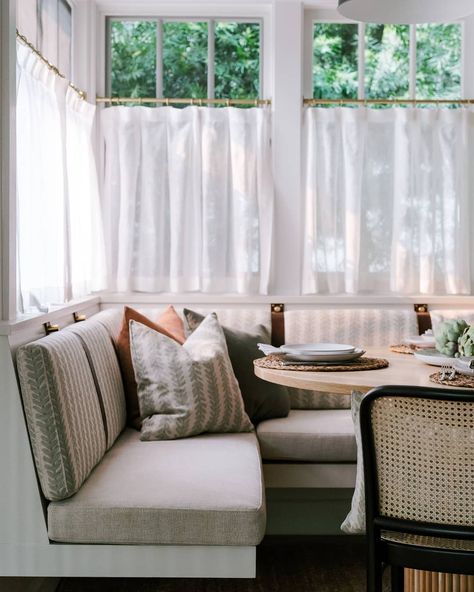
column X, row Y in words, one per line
column 188, row 199
column 388, row 196
column 60, row 241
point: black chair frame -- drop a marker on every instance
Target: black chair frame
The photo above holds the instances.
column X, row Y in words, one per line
column 398, row 556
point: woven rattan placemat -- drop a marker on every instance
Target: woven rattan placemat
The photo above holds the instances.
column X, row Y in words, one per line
column 458, row 380
column 402, row 349
column 275, row 361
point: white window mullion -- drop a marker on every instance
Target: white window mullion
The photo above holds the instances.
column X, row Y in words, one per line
column 211, row 40
column 159, row 58
column 412, row 62
column 361, row 61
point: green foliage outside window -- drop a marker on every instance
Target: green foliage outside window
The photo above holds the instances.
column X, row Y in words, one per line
column 237, row 60
column 438, row 57
column 387, row 61
column 335, row 61
column 185, row 60
column 133, row 58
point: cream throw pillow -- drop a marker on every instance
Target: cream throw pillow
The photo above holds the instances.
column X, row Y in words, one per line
column 185, row 390
column 355, row 520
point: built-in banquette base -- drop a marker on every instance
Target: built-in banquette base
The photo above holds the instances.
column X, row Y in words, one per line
column 309, row 496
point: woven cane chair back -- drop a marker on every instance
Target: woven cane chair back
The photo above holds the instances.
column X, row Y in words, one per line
column 424, row 457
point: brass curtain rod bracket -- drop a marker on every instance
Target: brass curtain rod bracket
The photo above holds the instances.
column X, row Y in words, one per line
column 79, row 317
column 82, row 93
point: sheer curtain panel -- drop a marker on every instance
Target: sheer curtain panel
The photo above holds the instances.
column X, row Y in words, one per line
column 188, row 199
column 60, row 244
column 388, row 200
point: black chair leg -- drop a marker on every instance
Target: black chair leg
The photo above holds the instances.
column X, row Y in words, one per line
column 397, row 578
column 374, row 575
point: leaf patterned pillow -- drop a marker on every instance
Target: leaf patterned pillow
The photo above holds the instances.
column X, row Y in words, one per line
column 185, row 390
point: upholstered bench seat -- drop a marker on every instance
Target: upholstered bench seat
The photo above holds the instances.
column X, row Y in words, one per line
column 205, row 490
column 317, row 435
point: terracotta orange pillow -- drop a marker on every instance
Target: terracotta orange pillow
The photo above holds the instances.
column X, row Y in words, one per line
column 169, row 324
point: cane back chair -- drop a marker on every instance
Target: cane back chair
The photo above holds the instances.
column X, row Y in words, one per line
column 418, row 451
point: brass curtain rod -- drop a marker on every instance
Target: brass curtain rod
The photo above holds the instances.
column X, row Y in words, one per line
column 82, row 94
column 187, row 101
column 312, row 102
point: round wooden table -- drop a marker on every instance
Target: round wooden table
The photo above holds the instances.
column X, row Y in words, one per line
column 403, row 369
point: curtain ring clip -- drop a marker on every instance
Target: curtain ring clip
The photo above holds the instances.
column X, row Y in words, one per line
column 227, row 102
column 167, row 102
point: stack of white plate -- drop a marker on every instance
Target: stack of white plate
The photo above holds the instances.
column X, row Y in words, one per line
column 321, row 352
column 420, row 341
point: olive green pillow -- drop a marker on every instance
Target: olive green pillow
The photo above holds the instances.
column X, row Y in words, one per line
column 262, row 400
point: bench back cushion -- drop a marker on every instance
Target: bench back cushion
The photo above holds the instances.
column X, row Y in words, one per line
column 74, row 403
column 356, row 326
column 100, row 351
column 359, row 326
column 438, row 316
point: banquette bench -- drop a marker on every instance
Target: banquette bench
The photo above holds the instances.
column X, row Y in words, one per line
column 106, row 503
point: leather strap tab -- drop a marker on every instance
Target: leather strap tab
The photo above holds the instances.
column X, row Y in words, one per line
column 423, row 318
column 278, row 324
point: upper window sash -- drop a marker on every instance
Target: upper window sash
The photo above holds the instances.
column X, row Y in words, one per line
column 325, row 16
column 211, row 47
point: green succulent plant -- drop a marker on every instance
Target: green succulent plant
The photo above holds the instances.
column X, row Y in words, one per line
column 447, row 334
column 466, row 342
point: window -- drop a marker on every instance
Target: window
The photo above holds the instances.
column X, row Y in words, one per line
column 387, row 61
column 184, row 59
column 48, row 26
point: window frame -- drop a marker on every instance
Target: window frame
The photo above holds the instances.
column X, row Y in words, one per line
column 159, row 21
column 327, row 16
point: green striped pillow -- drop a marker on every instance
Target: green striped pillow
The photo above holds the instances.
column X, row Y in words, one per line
column 185, row 390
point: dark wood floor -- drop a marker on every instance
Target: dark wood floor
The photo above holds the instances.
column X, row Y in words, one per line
column 303, row 564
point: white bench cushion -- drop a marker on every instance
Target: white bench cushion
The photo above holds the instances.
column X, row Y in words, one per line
column 205, row 490
column 322, row 435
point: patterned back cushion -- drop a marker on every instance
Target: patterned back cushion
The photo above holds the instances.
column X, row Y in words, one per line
column 241, row 319
column 361, row 326
column 63, row 412
column 245, row 319
column 438, row 316
column 358, row 326
column 111, row 319
column 100, row 351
